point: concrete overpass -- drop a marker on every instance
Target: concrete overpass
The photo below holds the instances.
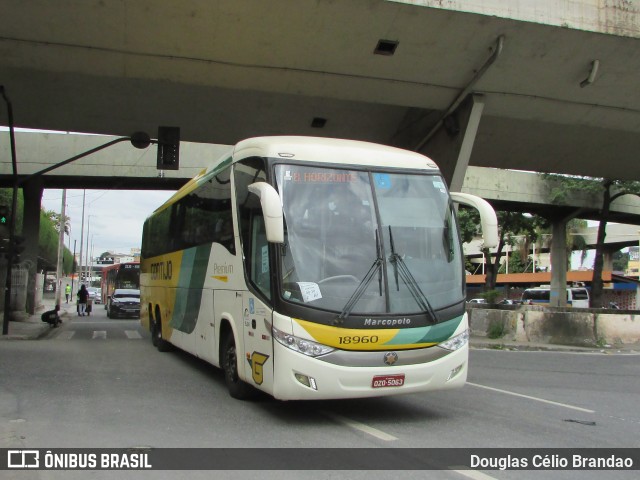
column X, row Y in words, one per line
column 543, row 86
column 505, row 85
column 124, row 167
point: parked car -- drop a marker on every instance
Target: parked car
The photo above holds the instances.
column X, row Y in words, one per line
column 94, row 294
column 124, row 302
column 477, row 300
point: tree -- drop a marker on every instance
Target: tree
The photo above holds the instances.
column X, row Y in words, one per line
column 510, row 226
column 610, row 190
column 55, row 218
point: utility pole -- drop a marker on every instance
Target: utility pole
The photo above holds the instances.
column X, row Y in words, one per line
column 59, row 268
column 12, row 221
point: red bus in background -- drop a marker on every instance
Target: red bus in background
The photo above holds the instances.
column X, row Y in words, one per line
column 119, row 275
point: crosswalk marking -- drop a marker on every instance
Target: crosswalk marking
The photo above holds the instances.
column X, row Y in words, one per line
column 66, row 335
column 102, row 334
column 98, row 335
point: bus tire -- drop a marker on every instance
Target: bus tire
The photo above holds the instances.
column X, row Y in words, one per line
column 156, row 335
column 238, row 389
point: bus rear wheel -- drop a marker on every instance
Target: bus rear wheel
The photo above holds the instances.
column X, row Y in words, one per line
column 156, row 335
column 237, row 388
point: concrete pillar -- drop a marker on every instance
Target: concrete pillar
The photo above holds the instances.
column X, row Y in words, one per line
column 449, row 145
column 452, row 145
column 558, row 264
column 607, row 257
column 32, row 193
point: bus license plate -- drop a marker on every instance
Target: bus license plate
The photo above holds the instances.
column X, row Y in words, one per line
column 380, row 381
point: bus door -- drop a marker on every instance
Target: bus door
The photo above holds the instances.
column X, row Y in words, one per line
column 258, row 346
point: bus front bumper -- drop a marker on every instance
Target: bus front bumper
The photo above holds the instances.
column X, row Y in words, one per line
column 300, row 377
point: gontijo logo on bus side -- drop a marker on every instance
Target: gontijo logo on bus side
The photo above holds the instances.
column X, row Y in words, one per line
column 380, row 339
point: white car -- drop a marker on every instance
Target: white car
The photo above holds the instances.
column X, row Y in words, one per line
column 94, row 294
column 477, row 300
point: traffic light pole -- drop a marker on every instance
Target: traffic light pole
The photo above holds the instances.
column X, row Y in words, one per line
column 139, row 140
column 12, row 219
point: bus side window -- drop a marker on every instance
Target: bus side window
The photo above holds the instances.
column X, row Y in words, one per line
column 260, row 272
column 255, row 248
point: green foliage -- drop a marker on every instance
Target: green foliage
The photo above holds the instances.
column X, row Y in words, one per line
column 620, row 261
column 6, row 198
column 516, row 262
column 513, row 228
column 560, row 186
column 56, row 219
column 48, row 241
column 48, row 238
column 496, row 330
column 491, row 296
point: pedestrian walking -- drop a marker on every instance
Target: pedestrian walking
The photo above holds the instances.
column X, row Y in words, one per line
column 67, row 292
column 83, row 298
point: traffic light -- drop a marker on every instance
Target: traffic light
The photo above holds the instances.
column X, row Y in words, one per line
column 4, row 247
column 4, row 215
column 168, row 148
column 18, row 247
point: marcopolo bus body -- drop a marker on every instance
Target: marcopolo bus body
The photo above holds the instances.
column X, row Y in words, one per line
column 313, row 268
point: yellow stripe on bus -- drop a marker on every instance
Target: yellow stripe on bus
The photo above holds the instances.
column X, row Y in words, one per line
column 360, row 339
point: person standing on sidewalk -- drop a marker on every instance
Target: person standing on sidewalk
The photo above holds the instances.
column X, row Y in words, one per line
column 83, row 297
column 67, row 292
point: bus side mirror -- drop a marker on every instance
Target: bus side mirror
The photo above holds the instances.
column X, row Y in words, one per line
column 488, row 219
column 271, row 209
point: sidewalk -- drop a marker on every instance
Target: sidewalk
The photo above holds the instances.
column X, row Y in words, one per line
column 32, row 327
column 477, row 342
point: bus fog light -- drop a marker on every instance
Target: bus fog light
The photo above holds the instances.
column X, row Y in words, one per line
column 456, row 342
column 455, row 371
column 306, row 381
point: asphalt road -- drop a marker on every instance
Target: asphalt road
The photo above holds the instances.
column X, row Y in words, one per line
column 98, row 382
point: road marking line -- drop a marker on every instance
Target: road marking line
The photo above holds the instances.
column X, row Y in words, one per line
column 474, row 474
column 102, row 334
column 66, row 335
column 580, row 409
column 362, row 427
column 132, row 334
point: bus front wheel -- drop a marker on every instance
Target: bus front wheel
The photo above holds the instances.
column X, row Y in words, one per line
column 237, row 388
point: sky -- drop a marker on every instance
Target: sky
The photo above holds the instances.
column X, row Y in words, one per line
column 113, row 218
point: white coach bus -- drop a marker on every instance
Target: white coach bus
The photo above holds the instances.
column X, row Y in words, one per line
column 313, row 268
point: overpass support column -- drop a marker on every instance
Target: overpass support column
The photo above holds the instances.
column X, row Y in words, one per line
column 558, row 264
column 607, row 257
column 451, row 146
column 32, row 193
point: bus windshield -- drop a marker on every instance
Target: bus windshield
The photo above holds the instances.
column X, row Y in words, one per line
column 366, row 242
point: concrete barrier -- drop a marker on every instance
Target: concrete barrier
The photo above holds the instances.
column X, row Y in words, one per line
column 557, row 326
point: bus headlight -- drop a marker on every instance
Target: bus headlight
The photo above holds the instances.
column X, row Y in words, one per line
column 456, row 342
column 302, row 345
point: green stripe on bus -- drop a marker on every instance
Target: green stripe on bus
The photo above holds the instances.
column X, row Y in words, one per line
column 193, row 273
column 431, row 334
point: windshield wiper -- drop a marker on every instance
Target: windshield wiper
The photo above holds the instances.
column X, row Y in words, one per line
column 399, row 267
column 376, row 267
